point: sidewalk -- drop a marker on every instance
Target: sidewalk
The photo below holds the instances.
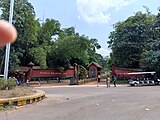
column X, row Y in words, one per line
column 66, row 84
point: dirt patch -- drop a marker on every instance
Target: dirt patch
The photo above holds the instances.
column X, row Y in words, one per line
column 17, row 92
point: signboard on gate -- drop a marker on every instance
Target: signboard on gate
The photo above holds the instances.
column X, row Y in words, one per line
column 50, row 73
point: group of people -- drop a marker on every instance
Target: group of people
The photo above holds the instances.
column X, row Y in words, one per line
column 19, row 82
column 108, row 80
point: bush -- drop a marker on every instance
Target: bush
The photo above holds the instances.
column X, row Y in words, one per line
column 2, row 84
column 10, row 84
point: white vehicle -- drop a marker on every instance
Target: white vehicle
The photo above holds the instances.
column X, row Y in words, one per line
column 149, row 79
column 157, row 82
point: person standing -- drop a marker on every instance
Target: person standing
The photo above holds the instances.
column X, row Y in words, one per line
column 99, row 78
column 58, row 79
column 114, row 81
column 27, row 82
column 108, row 81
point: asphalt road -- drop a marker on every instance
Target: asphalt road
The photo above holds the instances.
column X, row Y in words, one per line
column 92, row 103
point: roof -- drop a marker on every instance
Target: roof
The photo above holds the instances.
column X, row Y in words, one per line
column 133, row 69
column 36, row 67
column 23, row 69
column 96, row 64
column 31, row 64
column 136, row 73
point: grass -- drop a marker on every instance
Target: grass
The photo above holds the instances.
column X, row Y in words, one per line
column 7, row 108
column 16, row 92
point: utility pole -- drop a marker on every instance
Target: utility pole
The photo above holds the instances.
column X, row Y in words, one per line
column 8, row 44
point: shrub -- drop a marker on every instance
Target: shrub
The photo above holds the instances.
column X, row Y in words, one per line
column 11, row 83
column 2, row 84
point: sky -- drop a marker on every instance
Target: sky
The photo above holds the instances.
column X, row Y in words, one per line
column 93, row 18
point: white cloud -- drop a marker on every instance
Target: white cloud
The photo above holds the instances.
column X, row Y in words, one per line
column 96, row 11
column 104, row 51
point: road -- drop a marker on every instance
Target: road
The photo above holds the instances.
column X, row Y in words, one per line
column 92, row 103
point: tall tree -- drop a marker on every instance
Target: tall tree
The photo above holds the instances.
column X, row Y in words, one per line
column 48, row 29
column 93, row 56
column 36, row 41
column 151, row 55
column 27, row 27
column 72, row 48
column 129, row 39
column 68, row 50
column 44, row 42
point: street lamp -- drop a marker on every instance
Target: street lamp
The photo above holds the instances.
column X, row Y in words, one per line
column 8, row 44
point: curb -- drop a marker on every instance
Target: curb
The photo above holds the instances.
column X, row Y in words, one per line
column 20, row 101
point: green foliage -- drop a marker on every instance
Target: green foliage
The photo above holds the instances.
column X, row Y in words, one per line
column 151, row 54
column 45, row 44
column 67, row 49
column 70, row 48
column 10, row 84
column 67, row 32
column 82, row 72
column 151, row 60
column 39, row 56
column 2, row 84
column 14, row 62
column 27, row 27
column 135, row 42
column 129, row 39
column 107, row 63
column 48, row 29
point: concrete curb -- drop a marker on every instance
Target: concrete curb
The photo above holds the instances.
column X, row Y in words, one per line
column 20, row 101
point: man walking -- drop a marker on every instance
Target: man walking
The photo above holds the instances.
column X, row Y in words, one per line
column 114, row 81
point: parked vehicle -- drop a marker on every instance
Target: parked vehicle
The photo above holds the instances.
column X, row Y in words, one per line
column 149, row 78
column 137, row 82
column 157, row 82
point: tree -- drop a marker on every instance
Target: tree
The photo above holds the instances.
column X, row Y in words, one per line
column 27, row 27
column 36, row 41
column 39, row 56
column 93, row 56
column 108, row 62
column 151, row 59
column 129, row 39
column 67, row 32
column 72, row 48
column 40, row 51
column 68, row 50
column 151, row 55
column 48, row 29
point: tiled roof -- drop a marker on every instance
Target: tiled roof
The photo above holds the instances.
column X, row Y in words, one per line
column 96, row 64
